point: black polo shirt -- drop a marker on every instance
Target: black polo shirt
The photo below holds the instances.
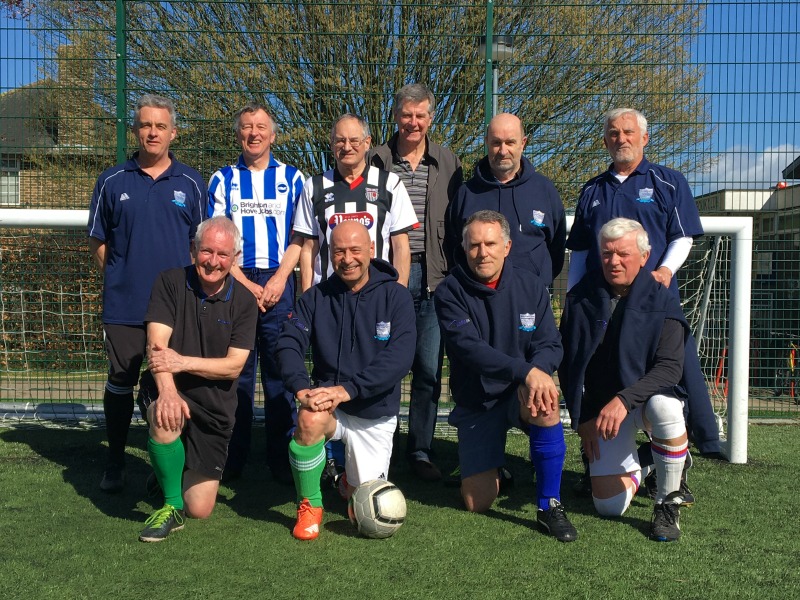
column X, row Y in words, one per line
column 204, row 326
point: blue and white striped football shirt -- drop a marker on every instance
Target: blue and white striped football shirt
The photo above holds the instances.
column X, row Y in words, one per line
column 262, row 204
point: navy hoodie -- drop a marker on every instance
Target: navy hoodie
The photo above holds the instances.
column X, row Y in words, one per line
column 534, row 211
column 363, row 341
column 494, row 337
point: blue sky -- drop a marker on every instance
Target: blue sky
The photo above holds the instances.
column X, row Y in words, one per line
column 750, row 53
column 16, row 43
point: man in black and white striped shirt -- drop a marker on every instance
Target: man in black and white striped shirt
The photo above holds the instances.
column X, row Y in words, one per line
column 353, row 191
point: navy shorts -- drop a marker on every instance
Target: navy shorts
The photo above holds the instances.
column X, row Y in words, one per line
column 125, row 347
column 482, row 435
column 205, row 436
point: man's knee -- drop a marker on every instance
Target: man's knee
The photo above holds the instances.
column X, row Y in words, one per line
column 480, row 491
column 311, row 426
column 543, row 420
column 665, row 416
column 199, row 495
column 612, row 494
column 161, row 435
column 614, row 506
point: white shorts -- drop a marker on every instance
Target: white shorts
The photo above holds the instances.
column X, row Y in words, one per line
column 367, row 446
column 620, row 456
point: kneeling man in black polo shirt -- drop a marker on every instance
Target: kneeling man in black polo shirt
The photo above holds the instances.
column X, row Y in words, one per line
column 200, row 329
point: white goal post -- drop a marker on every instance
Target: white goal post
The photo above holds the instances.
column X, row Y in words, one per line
column 740, row 229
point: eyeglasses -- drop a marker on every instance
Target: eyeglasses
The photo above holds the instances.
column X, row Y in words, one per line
column 354, row 142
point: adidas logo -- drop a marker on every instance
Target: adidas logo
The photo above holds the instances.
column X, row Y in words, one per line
column 124, row 197
column 595, row 203
column 313, row 529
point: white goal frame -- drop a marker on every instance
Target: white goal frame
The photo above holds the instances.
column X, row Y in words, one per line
column 739, row 228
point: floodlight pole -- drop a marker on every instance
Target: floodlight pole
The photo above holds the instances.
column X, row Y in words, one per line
column 495, row 48
column 490, row 102
column 121, row 78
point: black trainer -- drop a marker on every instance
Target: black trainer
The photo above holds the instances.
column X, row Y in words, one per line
column 555, row 522
column 161, row 523
column 151, row 487
column 506, row 481
column 583, row 487
column 665, row 524
column 453, row 480
column 113, row 479
column 330, row 475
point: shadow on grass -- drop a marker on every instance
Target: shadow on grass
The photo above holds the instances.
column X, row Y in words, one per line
column 517, row 498
column 255, row 495
column 82, row 454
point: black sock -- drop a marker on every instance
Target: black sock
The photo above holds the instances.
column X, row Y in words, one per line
column 118, row 409
column 645, row 453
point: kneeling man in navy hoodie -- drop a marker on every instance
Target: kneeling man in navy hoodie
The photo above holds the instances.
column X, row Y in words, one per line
column 503, row 345
column 361, row 327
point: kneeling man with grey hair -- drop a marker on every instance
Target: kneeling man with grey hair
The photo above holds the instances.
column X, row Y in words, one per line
column 503, row 346
column 623, row 335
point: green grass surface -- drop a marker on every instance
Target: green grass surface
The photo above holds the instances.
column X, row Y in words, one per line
column 63, row 538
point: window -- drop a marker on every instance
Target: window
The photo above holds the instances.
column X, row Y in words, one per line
column 9, row 182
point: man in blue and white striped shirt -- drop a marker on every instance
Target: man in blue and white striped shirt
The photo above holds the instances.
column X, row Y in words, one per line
column 259, row 193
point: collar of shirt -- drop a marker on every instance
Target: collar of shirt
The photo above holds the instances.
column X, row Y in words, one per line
column 273, row 162
column 193, row 283
column 642, row 168
column 133, row 164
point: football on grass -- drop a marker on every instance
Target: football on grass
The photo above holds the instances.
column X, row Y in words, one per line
column 377, row 508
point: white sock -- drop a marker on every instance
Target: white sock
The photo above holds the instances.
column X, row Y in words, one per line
column 669, row 467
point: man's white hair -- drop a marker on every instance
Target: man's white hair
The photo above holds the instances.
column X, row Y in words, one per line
column 616, row 113
column 620, row 227
column 224, row 224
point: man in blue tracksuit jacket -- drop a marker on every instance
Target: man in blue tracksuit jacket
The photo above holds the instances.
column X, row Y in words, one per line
column 660, row 199
column 503, row 345
column 506, row 182
column 361, row 327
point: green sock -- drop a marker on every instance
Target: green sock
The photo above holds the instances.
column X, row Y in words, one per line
column 307, row 464
column 168, row 461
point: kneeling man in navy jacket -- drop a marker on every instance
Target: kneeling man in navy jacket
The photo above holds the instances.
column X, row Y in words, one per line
column 624, row 336
column 361, row 327
column 503, row 347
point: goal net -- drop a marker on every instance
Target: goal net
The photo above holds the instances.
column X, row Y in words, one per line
column 52, row 360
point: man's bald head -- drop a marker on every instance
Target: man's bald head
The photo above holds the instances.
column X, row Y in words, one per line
column 505, row 141
column 505, row 122
column 351, row 250
column 349, row 231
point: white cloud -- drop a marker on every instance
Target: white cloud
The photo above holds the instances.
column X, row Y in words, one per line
column 740, row 167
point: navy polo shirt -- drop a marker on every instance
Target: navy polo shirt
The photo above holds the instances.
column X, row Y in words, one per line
column 657, row 197
column 147, row 225
column 204, row 326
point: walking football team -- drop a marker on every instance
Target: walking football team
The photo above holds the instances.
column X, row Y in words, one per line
column 401, row 259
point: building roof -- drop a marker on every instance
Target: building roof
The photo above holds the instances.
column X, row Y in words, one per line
column 793, row 170
column 30, row 118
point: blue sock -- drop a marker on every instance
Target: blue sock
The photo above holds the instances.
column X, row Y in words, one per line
column 335, row 449
column 548, row 450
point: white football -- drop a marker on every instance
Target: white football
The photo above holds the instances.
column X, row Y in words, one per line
column 377, row 508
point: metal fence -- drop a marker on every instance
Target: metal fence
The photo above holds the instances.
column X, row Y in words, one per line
column 717, row 80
